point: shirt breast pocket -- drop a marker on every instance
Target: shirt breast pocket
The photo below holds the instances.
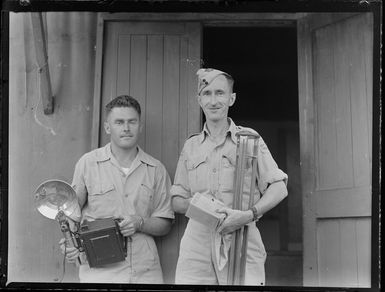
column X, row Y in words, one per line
column 228, row 172
column 145, row 200
column 102, row 199
column 197, row 173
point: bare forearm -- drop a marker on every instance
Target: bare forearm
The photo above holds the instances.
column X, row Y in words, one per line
column 275, row 193
column 180, row 205
column 156, row 226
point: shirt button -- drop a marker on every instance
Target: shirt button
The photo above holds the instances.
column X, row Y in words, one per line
column 214, row 170
column 126, row 195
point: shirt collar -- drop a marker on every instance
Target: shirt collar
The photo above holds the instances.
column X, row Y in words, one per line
column 105, row 153
column 145, row 158
column 231, row 130
column 142, row 156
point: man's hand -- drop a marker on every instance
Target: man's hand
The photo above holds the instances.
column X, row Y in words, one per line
column 71, row 253
column 234, row 220
column 131, row 224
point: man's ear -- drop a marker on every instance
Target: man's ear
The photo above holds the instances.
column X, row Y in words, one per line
column 233, row 97
column 107, row 127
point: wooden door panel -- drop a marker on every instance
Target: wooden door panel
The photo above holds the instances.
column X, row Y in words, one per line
column 341, row 105
column 335, row 124
column 344, row 252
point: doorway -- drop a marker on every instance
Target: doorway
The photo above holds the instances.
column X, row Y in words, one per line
column 263, row 62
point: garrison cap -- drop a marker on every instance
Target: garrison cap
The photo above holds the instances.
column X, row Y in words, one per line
column 207, row 75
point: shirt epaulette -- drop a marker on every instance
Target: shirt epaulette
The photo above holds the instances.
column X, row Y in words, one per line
column 240, row 128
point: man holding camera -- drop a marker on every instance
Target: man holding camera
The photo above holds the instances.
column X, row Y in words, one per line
column 121, row 181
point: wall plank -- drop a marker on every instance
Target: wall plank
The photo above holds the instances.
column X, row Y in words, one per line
column 154, row 97
column 123, row 71
column 363, row 236
column 138, row 77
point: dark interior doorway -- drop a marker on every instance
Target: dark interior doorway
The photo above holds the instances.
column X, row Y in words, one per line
column 263, row 62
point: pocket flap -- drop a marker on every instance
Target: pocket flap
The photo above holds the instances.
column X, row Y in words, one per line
column 195, row 161
column 228, row 160
column 102, row 189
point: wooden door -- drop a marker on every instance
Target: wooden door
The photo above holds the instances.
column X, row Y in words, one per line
column 335, row 106
column 155, row 62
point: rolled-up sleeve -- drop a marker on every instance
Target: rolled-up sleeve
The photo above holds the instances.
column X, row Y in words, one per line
column 267, row 168
column 78, row 181
column 181, row 186
column 162, row 199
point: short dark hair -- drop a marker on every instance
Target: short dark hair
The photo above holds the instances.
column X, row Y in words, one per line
column 123, row 101
column 230, row 81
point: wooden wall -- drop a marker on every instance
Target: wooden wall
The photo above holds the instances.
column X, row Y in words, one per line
column 43, row 146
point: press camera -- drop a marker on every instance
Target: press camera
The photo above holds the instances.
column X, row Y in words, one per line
column 100, row 240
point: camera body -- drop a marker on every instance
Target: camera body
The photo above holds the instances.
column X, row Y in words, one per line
column 101, row 241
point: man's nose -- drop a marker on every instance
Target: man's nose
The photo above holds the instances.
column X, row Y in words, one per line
column 126, row 126
column 213, row 99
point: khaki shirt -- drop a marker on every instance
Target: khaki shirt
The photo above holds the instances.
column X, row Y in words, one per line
column 206, row 166
column 110, row 192
column 144, row 191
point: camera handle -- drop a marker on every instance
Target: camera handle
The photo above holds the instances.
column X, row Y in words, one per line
column 65, row 229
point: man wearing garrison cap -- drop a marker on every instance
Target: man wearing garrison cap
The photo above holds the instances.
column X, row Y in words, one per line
column 206, row 167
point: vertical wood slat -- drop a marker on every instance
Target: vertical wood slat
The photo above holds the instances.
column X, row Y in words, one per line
column 154, row 98
column 344, row 173
column 171, row 81
column 138, row 78
column 95, row 132
column 325, row 109
column 183, row 91
column 348, row 249
column 368, row 49
column 194, row 59
column 124, row 64
column 329, row 253
column 108, row 71
column 307, row 155
column 363, row 236
column 359, row 102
